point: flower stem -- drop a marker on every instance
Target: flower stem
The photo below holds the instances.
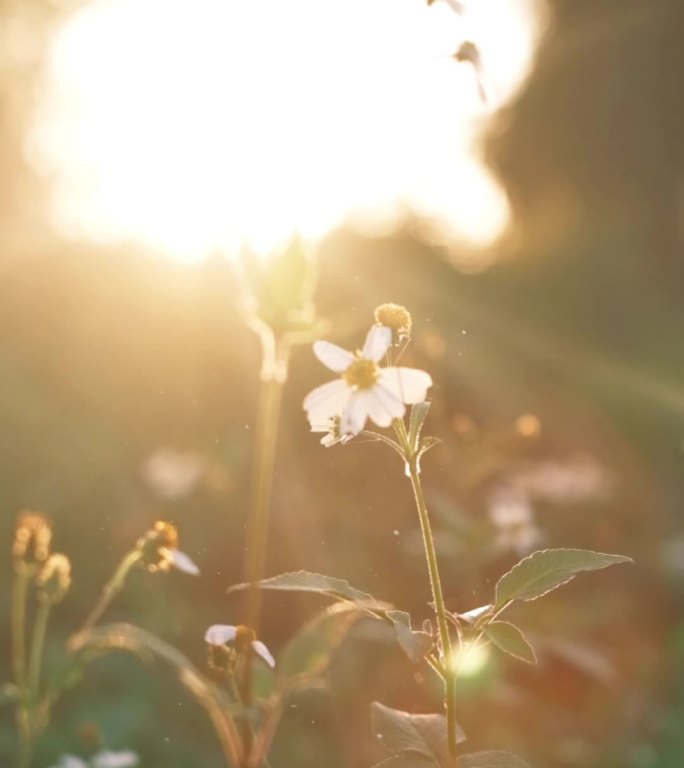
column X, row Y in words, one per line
column 273, row 377
column 437, row 597
column 19, row 595
column 37, row 645
column 110, row 590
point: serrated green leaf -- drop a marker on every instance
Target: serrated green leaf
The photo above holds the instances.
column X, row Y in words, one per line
column 310, row 651
column 304, row 581
column 401, row 732
column 491, row 759
column 509, row 639
column 407, row 760
column 547, row 569
column 415, row 644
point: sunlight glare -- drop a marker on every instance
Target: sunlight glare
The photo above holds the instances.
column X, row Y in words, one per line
column 195, row 126
column 470, row 660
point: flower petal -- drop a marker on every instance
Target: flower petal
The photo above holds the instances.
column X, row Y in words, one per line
column 355, row 414
column 410, row 385
column 377, row 343
column 182, row 562
column 220, row 634
column 383, row 406
column 261, row 650
column 327, row 401
column 332, row 356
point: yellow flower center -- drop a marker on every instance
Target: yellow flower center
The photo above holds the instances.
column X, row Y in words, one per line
column 362, row 373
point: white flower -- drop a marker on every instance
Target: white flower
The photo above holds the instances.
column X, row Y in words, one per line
column 173, row 474
column 512, row 515
column 240, row 637
column 103, row 759
column 364, row 389
column 107, row 759
column 69, row 761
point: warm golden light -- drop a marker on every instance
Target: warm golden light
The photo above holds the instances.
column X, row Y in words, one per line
column 194, row 126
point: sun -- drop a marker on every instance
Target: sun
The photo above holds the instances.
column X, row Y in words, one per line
column 196, row 126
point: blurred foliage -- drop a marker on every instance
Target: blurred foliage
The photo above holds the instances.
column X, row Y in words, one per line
column 110, row 355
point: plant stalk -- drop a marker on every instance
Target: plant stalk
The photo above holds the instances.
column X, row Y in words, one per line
column 273, row 376
column 440, row 610
column 110, row 590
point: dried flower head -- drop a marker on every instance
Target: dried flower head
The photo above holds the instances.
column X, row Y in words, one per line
column 54, row 579
column 32, row 538
column 159, row 550
column 397, row 318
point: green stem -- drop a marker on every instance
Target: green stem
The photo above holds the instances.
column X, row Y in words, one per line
column 37, row 645
column 19, row 595
column 273, row 377
column 110, row 590
column 437, row 596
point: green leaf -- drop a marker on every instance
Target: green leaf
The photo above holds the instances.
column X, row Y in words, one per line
column 416, row 645
column 304, row 581
column 407, row 760
column 401, row 732
column 419, row 413
column 309, row 652
column 491, row 759
column 509, row 639
column 547, row 569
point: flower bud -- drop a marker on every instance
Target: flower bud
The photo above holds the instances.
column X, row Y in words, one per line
column 32, row 538
column 54, row 579
column 397, row 318
column 157, row 546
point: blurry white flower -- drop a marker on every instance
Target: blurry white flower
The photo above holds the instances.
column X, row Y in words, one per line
column 241, row 637
column 332, row 435
column 173, row 474
column 364, row 389
column 103, row 759
column 69, row 761
column 578, row 479
column 512, row 515
column 107, row 759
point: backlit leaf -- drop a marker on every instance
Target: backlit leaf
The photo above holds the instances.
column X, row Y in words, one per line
column 415, row 644
column 508, row 638
column 401, row 732
column 304, row 581
column 547, row 569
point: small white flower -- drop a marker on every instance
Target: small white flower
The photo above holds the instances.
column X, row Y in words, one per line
column 108, row 759
column 364, row 389
column 512, row 515
column 173, row 474
column 70, row 761
column 240, row 637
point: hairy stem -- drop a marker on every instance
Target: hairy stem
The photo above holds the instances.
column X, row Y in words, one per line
column 437, row 595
